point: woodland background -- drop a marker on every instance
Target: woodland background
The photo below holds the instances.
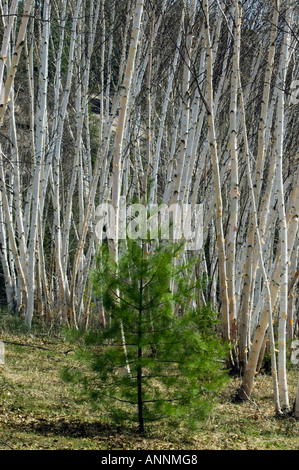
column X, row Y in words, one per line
column 158, row 101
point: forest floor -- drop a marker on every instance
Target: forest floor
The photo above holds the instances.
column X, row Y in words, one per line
column 38, row 411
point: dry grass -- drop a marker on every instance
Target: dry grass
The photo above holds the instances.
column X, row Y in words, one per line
column 39, row 411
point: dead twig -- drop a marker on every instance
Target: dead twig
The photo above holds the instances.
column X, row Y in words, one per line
column 7, row 445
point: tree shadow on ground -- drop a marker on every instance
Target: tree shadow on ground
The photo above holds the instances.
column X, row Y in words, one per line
column 70, row 428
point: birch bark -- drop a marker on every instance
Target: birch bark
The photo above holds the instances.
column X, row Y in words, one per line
column 217, row 182
column 284, row 269
column 40, row 158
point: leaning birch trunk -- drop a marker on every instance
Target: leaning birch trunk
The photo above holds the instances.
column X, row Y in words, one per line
column 217, row 182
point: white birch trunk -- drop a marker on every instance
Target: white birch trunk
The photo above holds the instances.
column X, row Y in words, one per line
column 283, row 388
column 40, row 149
